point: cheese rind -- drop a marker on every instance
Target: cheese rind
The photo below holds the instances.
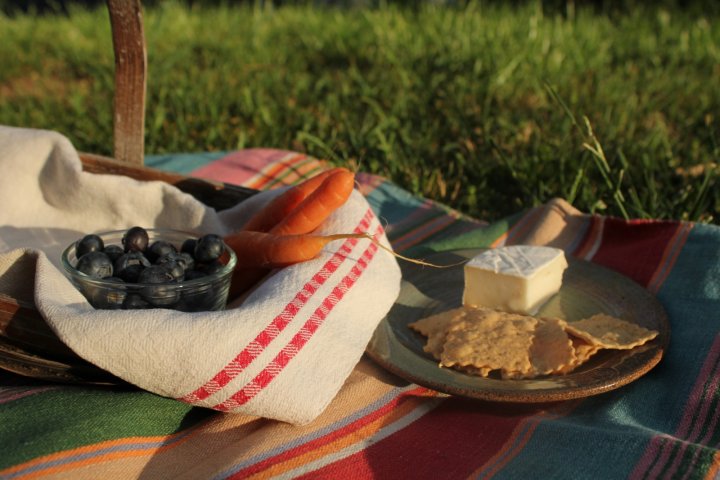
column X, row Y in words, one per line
column 518, row 278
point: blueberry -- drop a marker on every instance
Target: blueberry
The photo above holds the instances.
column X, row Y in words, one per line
column 193, row 274
column 188, row 246
column 89, row 243
column 95, row 264
column 155, row 274
column 161, row 292
column 113, row 251
column 158, row 249
column 131, row 273
column 135, row 239
column 129, row 266
column 199, row 300
column 107, row 298
column 176, row 270
column 211, row 268
column 134, row 302
column 208, row 248
column 184, row 260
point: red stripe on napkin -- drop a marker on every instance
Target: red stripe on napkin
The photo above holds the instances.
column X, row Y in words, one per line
column 278, row 324
column 263, row 379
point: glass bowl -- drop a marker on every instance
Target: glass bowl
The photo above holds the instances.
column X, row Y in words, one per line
column 204, row 293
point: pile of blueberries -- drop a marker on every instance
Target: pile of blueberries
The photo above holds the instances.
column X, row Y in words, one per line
column 158, row 265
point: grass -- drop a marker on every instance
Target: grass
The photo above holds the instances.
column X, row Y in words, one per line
column 488, row 108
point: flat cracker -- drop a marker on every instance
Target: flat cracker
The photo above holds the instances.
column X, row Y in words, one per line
column 552, row 349
column 479, row 341
column 435, row 327
column 605, row 331
column 489, row 340
column 470, row 370
column 582, row 351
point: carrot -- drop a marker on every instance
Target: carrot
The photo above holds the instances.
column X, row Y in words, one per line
column 258, row 252
column 286, row 243
column 332, row 193
column 274, row 211
column 259, row 249
column 279, row 207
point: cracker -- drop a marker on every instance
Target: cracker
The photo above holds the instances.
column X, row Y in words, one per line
column 470, row 370
column 435, row 327
column 490, row 340
column 582, row 351
column 605, row 331
column 479, row 341
column 551, row 350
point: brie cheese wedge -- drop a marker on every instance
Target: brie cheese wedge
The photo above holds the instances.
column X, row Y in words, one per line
column 518, row 278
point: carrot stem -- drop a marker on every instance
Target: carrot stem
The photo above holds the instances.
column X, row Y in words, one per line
column 367, row 236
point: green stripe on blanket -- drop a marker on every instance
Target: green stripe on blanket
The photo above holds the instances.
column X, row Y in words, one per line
column 69, row 417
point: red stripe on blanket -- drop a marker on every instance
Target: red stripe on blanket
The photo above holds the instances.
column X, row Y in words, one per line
column 348, row 429
column 269, row 373
column 672, row 252
column 523, row 226
column 367, row 182
column 268, row 177
column 449, row 442
column 588, row 245
column 422, row 232
column 16, row 393
column 240, row 166
column 661, row 448
column 634, row 248
column 278, row 324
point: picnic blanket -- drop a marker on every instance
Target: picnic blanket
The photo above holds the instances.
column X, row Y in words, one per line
column 379, row 426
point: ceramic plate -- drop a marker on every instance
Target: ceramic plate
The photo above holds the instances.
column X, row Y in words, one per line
column 587, row 289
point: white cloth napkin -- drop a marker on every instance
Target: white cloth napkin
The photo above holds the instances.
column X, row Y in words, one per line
column 283, row 353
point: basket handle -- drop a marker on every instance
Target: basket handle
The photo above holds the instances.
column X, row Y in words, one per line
column 130, row 80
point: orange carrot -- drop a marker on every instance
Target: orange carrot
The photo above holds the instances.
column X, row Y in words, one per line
column 274, row 211
column 279, row 207
column 259, row 249
column 332, row 193
column 259, row 252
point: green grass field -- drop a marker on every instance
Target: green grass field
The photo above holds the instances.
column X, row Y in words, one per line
column 489, row 109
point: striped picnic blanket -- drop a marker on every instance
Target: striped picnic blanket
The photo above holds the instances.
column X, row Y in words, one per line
column 379, row 426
